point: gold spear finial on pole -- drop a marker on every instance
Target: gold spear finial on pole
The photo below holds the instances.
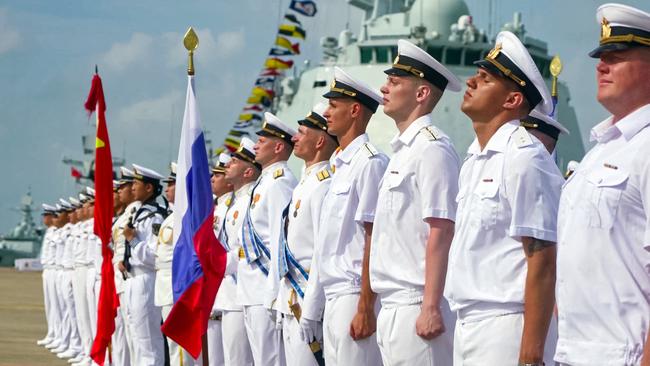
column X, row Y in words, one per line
column 556, row 69
column 191, row 43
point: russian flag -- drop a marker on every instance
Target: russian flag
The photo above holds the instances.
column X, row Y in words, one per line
column 199, row 259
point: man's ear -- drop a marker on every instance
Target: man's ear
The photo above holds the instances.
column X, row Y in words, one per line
column 355, row 110
column 320, row 143
column 422, row 93
column 514, row 100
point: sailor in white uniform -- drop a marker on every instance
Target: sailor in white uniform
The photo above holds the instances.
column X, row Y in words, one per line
column 545, row 128
column 122, row 340
column 163, row 295
column 502, row 261
column 603, row 281
column 241, row 172
column 347, row 216
column 48, row 214
column 301, row 306
column 144, row 317
column 67, row 240
column 414, row 221
column 79, row 282
column 257, row 278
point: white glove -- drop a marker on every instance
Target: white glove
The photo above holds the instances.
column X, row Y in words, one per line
column 310, row 330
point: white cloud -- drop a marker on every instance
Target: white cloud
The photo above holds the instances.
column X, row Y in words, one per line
column 9, row 37
column 230, row 43
column 150, row 110
column 124, row 54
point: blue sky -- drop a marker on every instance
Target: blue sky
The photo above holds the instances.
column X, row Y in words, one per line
column 48, row 50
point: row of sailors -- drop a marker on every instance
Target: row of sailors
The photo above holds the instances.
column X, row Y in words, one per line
column 420, row 259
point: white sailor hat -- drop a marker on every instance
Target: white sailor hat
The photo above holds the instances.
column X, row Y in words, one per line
column 48, row 209
column 220, row 166
column 172, row 173
column 316, row 119
column 510, row 59
column 345, row 86
column 83, row 198
column 246, row 152
column 116, row 185
column 621, row 27
column 74, row 202
column 127, row 175
column 90, row 192
column 65, row 205
column 59, row 209
column 274, row 127
column 146, row 175
column 414, row 61
column 545, row 124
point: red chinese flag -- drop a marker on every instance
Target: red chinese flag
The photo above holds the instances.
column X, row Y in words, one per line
column 108, row 300
column 75, row 173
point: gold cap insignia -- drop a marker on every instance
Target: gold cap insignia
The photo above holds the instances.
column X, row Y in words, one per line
column 396, row 59
column 494, row 52
column 333, row 84
column 605, row 29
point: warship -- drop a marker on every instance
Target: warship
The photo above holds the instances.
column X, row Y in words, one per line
column 25, row 239
column 445, row 29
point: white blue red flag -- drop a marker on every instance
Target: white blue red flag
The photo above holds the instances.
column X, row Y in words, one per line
column 199, row 259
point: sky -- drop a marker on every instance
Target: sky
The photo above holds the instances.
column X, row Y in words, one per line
column 48, row 51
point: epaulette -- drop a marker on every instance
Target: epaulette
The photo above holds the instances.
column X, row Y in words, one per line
column 370, row 150
column 323, row 174
column 278, row 173
column 432, row 133
column 521, row 137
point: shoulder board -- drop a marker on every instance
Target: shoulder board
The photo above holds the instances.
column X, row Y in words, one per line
column 370, row 150
column 432, row 133
column 323, row 174
column 521, row 137
column 278, row 173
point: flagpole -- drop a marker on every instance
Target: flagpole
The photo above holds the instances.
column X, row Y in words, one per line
column 191, row 43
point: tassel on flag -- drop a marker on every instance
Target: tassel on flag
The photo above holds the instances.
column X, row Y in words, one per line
column 103, row 221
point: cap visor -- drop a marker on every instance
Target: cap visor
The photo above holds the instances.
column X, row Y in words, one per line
column 334, row 94
column 611, row 47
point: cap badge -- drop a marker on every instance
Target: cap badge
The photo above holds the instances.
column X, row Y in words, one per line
column 494, row 52
column 605, row 29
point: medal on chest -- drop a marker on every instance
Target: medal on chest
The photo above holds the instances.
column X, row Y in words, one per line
column 234, row 217
column 256, row 199
column 295, row 211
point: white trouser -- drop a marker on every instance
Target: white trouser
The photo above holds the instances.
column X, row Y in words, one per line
column 119, row 346
column 215, row 343
column 46, row 305
column 177, row 355
column 81, row 308
column 58, row 305
column 70, row 316
column 90, row 298
column 297, row 352
column 400, row 345
column 236, row 349
column 495, row 341
column 339, row 347
column 143, row 319
column 263, row 336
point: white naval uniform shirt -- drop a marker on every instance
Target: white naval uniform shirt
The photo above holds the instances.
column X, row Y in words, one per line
column 269, row 197
column 509, row 190
column 94, row 253
column 227, row 295
column 67, row 258
column 119, row 240
column 47, row 254
column 603, row 266
column 420, row 182
column 143, row 246
column 80, row 245
column 220, row 210
column 350, row 203
column 302, row 232
column 163, row 294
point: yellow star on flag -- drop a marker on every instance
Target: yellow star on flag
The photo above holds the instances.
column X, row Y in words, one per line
column 99, row 143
